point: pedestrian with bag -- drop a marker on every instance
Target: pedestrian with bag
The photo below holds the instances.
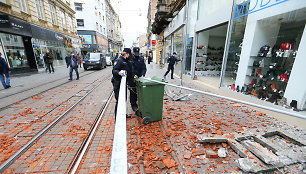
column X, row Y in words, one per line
column 4, row 73
column 72, row 62
column 139, row 70
column 48, row 57
column 121, row 68
column 80, row 59
column 171, row 62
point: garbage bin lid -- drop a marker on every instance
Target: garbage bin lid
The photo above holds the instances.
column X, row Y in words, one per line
column 144, row 82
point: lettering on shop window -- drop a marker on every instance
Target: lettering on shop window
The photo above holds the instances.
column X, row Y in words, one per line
column 246, row 7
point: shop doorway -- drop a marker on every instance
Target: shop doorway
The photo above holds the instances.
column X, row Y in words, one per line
column 209, row 55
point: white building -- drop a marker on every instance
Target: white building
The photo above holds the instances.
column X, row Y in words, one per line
column 222, row 43
column 91, row 25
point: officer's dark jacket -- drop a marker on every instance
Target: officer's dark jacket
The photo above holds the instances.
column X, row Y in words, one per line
column 139, row 66
column 122, row 64
column 171, row 60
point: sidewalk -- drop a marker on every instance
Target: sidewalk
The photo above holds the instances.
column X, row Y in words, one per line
column 193, row 133
column 155, row 70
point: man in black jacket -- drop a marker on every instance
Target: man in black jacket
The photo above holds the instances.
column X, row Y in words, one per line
column 4, row 73
column 122, row 67
column 139, row 70
column 171, row 60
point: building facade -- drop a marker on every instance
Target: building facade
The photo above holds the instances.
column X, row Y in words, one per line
column 31, row 27
column 115, row 41
column 243, row 45
column 92, row 25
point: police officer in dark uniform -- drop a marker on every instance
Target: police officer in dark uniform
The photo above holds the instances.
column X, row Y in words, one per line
column 121, row 68
column 139, row 70
column 171, row 60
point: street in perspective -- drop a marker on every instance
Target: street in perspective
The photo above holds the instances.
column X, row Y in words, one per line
column 153, row 86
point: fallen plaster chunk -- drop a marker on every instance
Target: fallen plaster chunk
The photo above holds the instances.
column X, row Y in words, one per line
column 246, row 165
column 262, row 153
column 204, row 139
column 222, row 152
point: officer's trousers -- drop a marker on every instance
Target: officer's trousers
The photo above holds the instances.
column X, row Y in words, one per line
column 133, row 94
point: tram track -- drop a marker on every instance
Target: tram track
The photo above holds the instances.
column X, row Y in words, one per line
column 38, row 93
column 22, row 150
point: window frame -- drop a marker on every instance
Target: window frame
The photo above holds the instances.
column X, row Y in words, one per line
column 23, row 6
column 63, row 20
column 53, row 14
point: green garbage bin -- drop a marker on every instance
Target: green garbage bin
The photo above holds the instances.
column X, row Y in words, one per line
column 150, row 99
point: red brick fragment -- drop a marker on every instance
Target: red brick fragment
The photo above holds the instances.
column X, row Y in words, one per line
column 169, row 163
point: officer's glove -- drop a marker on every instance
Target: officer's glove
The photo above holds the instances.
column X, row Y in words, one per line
column 122, row 73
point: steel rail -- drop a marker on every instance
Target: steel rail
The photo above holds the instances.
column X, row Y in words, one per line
column 119, row 152
column 232, row 99
column 42, row 132
column 82, row 150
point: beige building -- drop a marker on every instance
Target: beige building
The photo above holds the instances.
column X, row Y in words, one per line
column 31, row 27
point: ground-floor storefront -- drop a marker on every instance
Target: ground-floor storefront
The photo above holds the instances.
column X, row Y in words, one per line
column 259, row 54
column 15, row 44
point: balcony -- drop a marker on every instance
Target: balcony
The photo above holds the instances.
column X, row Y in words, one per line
column 162, row 17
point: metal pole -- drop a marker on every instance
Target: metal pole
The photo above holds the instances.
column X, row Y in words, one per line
column 234, row 100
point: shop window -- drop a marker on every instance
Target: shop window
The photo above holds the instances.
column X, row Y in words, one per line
column 273, row 54
column 210, row 50
column 15, row 51
column 40, row 9
column 23, row 6
column 234, row 51
column 53, row 14
column 178, row 48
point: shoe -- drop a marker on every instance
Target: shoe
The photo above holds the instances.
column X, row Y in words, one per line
column 77, row 79
column 69, row 79
column 8, row 86
column 128, row 116
column 172, row 78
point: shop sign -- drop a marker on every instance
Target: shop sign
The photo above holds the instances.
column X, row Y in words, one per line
column 4, row 21
column 245, row 8
column 14, row 26
column 58, row 37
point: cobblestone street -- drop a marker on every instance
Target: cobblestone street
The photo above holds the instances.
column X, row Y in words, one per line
column 189, row 139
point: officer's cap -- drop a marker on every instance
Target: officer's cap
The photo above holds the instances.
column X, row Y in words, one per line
column 127, row 50
column 136, row 51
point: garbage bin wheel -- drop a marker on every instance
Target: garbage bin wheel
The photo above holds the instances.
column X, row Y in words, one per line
column 138, row 113
column 146, row 120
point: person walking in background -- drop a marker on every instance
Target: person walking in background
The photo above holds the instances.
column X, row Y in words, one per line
column 149, row 58
column 122, row 67
column 171, row 62
column 4, row 73
column 72, row 62
column 139, row 70
column 80, row 59
column 48, row 57
column 114, row 58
